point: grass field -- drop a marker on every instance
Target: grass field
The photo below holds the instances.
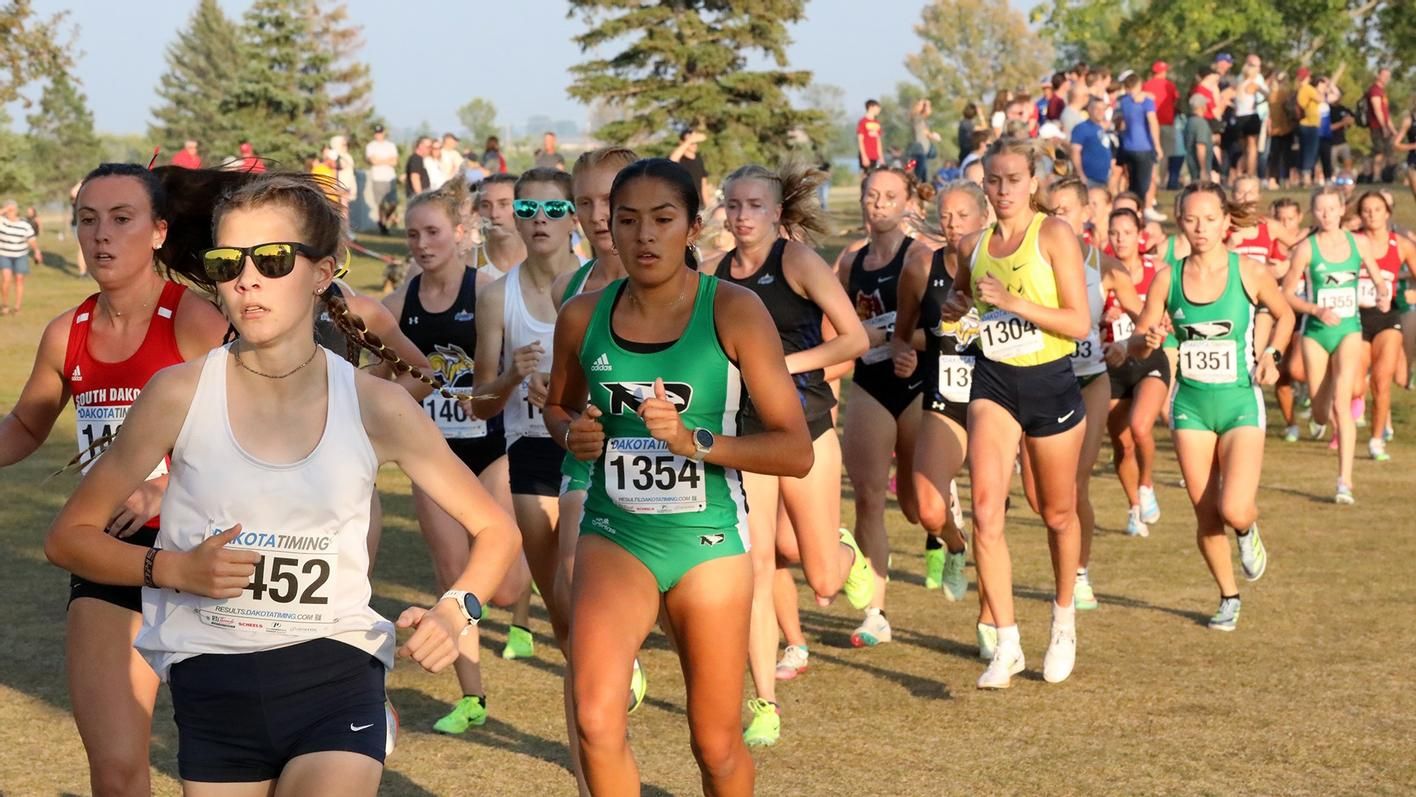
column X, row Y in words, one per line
column 1310, row 696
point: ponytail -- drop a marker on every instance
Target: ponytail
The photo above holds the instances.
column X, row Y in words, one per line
column 795, row 184
column 1241, row 214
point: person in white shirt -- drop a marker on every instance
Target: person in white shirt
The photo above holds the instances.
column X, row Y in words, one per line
column 17, row 241
column 343, row 167
column 382, row 155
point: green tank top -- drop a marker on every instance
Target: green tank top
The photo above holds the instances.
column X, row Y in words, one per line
column 1216, row 339
column 1170, row 259
column 1334, row 285
column 638, row 486
column 577, row 281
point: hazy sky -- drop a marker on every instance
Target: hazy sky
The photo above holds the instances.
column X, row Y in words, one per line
column 429, row 58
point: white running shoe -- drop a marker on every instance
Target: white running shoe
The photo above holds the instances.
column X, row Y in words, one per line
column 1150, row 508
column 1253, row 554
column 1007, row 661
column 874, row 630
column 1061, row 651
column 795, row 660
column 987, row 641
column 1135, row 527
column 956, row 508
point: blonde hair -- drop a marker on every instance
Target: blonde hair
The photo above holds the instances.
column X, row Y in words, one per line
column 1015, row 145
column 794, row 184
column 611, row 157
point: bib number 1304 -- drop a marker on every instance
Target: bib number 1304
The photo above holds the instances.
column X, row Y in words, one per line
column 644, row 478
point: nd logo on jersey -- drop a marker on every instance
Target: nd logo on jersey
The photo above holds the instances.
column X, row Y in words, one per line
column 964, row 331
column 1206, row 330
column 629, row 395
column 453, row 364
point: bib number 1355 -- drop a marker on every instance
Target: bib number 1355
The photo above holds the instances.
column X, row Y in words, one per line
column 644, row 478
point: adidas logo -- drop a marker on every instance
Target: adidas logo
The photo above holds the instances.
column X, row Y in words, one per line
column 766, row 279
column 602, row 363
column 1179, row 314
column 76, row 376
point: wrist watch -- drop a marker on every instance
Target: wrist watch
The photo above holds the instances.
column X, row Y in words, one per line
column 467, row 602
column 1275, row 354
column 702, row 443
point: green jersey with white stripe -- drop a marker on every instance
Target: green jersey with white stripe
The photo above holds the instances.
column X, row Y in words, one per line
column 1216, row 338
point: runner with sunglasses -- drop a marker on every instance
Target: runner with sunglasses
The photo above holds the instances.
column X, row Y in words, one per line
column 1209, row 300
column 881, row 414
column 1332, row 331
column 666, row 357
column 770, row 214
column 1027, row 282
column 515, row 320
column 256, row 612
column 436, row 310
column 102, row 355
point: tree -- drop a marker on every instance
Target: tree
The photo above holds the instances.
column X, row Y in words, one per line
column 31, row 49
column 685, row 64
column 830, row 101
column 479, row 119
column 202, row 67
column 272, row 102
column 344, row 84
column 62, row 142
column 972, row 48
column 16, row 174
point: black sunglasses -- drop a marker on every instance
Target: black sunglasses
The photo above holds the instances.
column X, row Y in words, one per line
column 272, row 260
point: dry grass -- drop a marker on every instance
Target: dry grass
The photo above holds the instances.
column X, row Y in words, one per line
column 1310, row 696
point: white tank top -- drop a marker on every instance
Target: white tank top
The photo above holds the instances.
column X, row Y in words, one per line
column 1088, row 359
column 308, row 519
column 520, row 328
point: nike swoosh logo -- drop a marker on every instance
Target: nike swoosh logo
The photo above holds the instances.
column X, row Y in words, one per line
column 1020, row 268
column 357, row 728
column 886, row 279
column 1064, row 418
column 914, row 385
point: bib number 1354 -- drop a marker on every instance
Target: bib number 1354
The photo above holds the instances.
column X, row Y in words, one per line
column 644, row 478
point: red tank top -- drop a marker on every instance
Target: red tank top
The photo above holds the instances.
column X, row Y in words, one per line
column 1121, row 328
column 1390, row 263
column 103, row 391
column 1260, row 247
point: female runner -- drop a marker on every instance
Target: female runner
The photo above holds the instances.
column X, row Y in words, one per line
column 881, row 415
column 102, row 353
column 664, row 357
column 1026, row 280
column 1332, row 334
column 1209, row 300
column 1381, row 331
column 770, row 214
column 276, row 587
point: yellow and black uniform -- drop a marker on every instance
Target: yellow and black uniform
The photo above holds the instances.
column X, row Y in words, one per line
column 1022, row 368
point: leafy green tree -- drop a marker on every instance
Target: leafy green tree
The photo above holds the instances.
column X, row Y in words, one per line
column 479, row 119
column 16, row 173
column 271, row 102
column 972, row 48
column 685, row 64
column 62, row 143
column 202, row 65
column 31, row 48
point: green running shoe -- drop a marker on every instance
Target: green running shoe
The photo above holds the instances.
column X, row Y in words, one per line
column 766, row 726
column 987, row 641
column 1227, row 618
column 956, row 584
column 1083, row 598
column 933, row 568
column 470, row 710
column 638, row 685
column 860, row 584
column 519, row 644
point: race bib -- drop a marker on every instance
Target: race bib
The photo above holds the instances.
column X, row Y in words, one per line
column 535, row 416
column 1214, row 362
column 1005, row 336
column 643, row 477
column 452, row 417
column 96, row 422
column 1342, row 303
column 1367, row 292
column 291, row 588
column 1122, row 328
column 881, row 353
column 1087, row 354
column 955, row 377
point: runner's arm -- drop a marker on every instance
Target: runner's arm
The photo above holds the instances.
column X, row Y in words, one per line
column 808, row 275
column 1152, row 316
column 42, row 399
column 494, row 389
column 909, row 294
column 566, row 397
column 1261, row 285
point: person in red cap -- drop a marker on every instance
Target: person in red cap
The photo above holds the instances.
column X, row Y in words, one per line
column 250, row 161
column 1165, row 94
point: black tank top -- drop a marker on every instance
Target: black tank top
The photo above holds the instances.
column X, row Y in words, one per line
column 874, row 294
column 798, row 321
column 330, row 336
column 448, row 338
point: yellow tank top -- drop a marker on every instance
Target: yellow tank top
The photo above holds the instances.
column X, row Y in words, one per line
column 1005, row 337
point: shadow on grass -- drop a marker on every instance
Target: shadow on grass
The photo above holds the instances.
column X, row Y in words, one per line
column 917, row 686
column 416, row 709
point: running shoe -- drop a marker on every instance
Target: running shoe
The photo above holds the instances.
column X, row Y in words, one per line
column 766, row 726
column 1359, row 411
column 956, row 584
column 957, row 509
column 1317, row 431
column 874, row 630
column 1388, row 433
column 1007, row 662
column 638, row 685
column 470, row 710
column 1135, row 527
column 1253, row 556
column 1291, row 434
column 934, row 567
column 390, row 727
column 1344, row 495
column 987, row 641
column 1376, row 448
column 860, row 583
column 795, row 660
column 1150, row 508
column 1061, row 650
column 519, row 644
column 1227, row 618
column 1083, row 598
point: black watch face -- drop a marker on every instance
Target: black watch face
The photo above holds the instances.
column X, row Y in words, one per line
column 473, row 606
column 703, row 438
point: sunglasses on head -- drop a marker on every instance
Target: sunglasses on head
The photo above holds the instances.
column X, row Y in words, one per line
column 555, row 208
column 272, row 260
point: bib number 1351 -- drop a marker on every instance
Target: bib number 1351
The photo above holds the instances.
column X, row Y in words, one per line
column 643, row 477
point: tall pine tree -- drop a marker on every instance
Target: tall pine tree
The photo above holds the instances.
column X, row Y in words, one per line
column 62, row 141
column 274, row 99
column 31, row 48
column 201, row 68
column 344, row 82
column 684, row 64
